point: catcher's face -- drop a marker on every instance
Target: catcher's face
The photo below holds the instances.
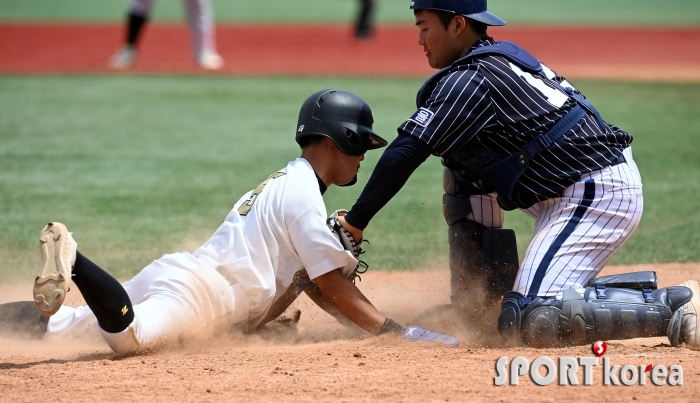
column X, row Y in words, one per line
column 441, row 46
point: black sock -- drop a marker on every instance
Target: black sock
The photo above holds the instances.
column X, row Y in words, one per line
column 364, row 21
column 135, row 24
column 103, row 294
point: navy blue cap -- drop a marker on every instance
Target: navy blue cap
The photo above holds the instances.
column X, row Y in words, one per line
column 474, row 9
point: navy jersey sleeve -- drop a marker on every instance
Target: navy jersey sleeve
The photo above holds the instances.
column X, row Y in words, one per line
column 393, row 169
column 458, row 107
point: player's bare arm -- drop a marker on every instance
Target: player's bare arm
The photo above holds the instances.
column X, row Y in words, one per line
column 349, row 300
column 314, row 293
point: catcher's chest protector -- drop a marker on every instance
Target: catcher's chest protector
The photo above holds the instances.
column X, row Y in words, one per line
column 504, row 174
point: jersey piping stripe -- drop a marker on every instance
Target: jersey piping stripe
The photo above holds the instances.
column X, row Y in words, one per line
column 623, row 225
column 588, row 196
column 603, row 227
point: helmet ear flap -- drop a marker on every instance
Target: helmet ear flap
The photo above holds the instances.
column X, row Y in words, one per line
column 353, row 138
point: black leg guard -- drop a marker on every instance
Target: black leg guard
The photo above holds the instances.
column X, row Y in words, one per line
column 483, row 260
column 500, row 255
column 465, row 238
column 599, row 314
column 22, row 320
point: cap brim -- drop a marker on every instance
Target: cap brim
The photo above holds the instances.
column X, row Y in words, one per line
column 487, row 18
column 376, row 142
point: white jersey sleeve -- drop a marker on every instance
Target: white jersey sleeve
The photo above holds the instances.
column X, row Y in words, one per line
column 281, row 231
column 319, row 251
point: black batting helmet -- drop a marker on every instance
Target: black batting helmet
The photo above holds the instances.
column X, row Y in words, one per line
column 341, row 116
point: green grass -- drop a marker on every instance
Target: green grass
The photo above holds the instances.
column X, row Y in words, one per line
column 142, row 166
column 561, row 12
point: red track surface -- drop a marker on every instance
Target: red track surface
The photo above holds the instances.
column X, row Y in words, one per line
column 615, row 53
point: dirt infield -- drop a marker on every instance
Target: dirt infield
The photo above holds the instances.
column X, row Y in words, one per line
column 608, row 53
column 321, row 361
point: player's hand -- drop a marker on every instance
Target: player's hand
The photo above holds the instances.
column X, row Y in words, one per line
column 355, row 232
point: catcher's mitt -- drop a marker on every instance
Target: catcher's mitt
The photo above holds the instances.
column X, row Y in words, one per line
column 348, row 243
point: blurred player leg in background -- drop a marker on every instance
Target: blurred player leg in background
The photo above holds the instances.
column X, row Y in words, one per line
column 136, row 19
column 364, row 25
column 200, row 21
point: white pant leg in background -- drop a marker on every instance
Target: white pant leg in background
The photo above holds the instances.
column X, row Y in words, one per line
column 200, row 20
column 174, row 297
column 577, row 234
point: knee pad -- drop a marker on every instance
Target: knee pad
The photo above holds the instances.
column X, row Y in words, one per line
column 456, row 204
column 530, row 321
column 449, row 182
column 454, row 208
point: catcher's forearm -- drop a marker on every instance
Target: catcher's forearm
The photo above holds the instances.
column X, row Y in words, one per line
column 397, row 163
column 349, row 300
column 317, row 297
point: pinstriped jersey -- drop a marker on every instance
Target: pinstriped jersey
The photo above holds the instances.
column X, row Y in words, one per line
column 492, row 104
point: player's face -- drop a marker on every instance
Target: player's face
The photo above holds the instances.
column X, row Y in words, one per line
column 439, row 44
column 348, row 166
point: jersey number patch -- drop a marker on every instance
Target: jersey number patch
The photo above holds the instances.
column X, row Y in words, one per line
column 248, row 204
column 553, row 95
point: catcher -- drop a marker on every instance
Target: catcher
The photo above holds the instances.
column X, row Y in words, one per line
column 273, row 245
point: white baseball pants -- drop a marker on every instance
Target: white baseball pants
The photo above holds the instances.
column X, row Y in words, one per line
column 576, row 234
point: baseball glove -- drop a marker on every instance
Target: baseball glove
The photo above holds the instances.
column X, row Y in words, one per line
column 348, row 243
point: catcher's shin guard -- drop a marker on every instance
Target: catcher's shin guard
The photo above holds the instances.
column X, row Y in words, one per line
column 479, row 256
column 604, row 312
column 465, row 238
column 500, row 255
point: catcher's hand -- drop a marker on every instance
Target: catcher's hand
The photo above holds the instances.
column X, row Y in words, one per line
column 347, row 241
